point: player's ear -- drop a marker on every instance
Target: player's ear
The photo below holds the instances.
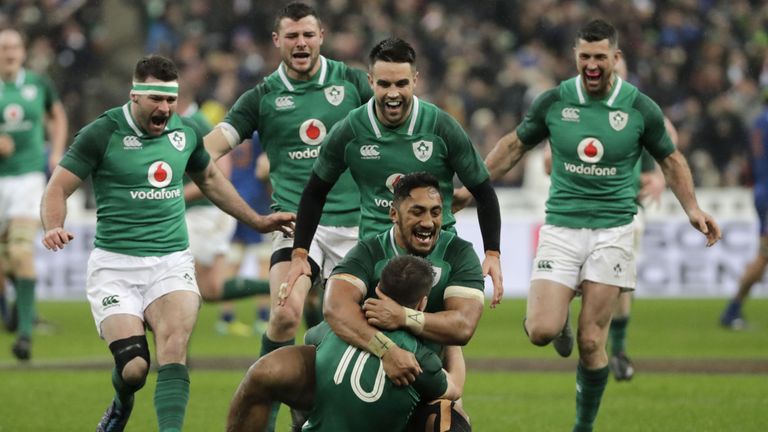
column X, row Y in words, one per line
column 422, row 304
column 393, row 213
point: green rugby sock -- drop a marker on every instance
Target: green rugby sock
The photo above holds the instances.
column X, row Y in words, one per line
column 618, row 335
column 590, row 385
column 123, row 391
column 171, row 396
column 25, row 301
column 237, row 288
column 267, row 346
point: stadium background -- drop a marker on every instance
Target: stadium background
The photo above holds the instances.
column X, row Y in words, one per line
column 703, row 61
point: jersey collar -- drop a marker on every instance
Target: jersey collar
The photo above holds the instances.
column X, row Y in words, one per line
column 375, row 122
column 20, row 77
column 322, row 73
column 615, row 93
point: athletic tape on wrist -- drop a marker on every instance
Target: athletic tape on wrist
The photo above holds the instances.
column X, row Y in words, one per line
column 414, row 320
column 299, row 252
column 379, row 344
column 492, row 253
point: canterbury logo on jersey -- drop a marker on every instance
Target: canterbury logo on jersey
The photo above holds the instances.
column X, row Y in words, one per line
column 370, row 152
column 570, row 114
column 544, row 265
column 284, row 102
column 307, row 153
column 131, row 142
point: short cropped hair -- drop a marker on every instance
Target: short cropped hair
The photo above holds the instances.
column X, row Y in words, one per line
column 407, row 279
column 393, row 50
column 409, row 182
column 295, row 11
column 598, row 30
column 157, row 66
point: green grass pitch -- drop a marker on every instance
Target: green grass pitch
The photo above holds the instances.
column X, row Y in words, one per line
column 499, row 395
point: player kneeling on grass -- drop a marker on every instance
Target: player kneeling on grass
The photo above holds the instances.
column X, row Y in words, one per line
column 344, row 387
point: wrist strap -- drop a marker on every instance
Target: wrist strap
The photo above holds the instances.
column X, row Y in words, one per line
column 494, row 253
column 299, row 252
column 379, row 344
column 414, row 320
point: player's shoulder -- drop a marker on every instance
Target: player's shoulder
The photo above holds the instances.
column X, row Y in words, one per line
column 108, row 122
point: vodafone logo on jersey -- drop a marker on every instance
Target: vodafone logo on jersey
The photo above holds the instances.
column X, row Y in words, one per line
column 590, row 150
column 13, row 113
column 160, row 174
column 312, row 132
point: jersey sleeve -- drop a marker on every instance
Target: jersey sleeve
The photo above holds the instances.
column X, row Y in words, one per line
column 462, row 154
column 432, row 382
column 647, row 162
column 244, row 114
column 654, row 137
column 88, row 148
column 331, row 163
column 533, row 128
column 199, row 159
column 466, row 270
column 360, row 80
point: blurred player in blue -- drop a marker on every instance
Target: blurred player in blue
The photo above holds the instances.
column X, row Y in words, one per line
column 732, row 317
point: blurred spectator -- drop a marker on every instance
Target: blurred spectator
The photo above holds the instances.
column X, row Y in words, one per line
column 484, row 61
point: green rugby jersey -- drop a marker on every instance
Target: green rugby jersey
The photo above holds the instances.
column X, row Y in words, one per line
column 137, row 180
column 595, row 144
column 23, row 105
column 453, row 259
column 204, row 126
column 292, row 118
column 352, row 393
column 429, row 140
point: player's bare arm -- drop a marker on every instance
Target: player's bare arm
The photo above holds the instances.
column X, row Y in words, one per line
column 505, row 154
column 219, row 189
column 453, row 326
column 53, row 209
column 679, row 179
column 343, row 313
column 219, row 142
column 56, row 127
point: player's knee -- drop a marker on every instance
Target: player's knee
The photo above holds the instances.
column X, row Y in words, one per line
column 21, row 256
column 588, row 342
column 131, row 359
column 540, row 333
column 285, row 319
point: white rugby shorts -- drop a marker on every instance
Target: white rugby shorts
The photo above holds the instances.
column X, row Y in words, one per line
column 572, row 255
column 20, row 197
column 126, row 284
column 328, row 247
column 210, row 232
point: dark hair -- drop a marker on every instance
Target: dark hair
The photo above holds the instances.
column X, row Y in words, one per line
column 598, row 30
column 407, row 279
column 394, row 50
column 409, row 182
column 295, row 11
column 157, row 66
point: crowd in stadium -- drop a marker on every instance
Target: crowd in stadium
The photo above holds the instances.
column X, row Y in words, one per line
column 703, row 61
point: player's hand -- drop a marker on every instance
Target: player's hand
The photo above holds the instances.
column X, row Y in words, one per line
column 400, row 366
column 55, row 239
column 706, row 225
column 461, row 198
column 7, row 146
column 280, row 221
column 383, row 312
column 492, row 266
column 299, row 267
